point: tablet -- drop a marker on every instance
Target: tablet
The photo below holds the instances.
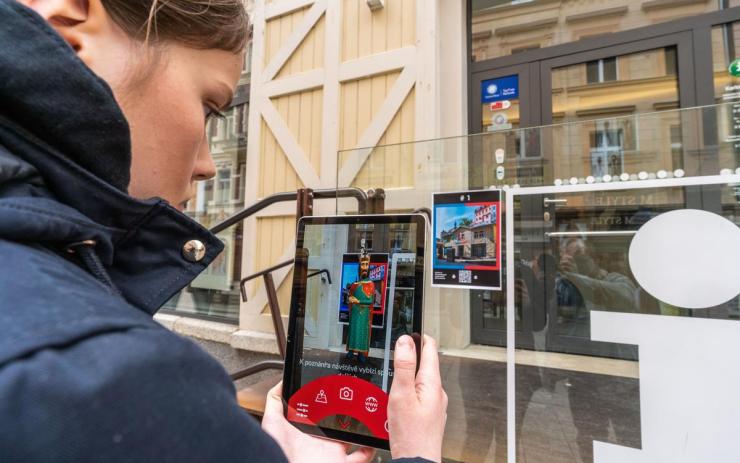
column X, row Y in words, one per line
column 358, row 286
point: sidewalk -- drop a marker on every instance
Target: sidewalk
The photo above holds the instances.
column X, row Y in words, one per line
column 559, row 412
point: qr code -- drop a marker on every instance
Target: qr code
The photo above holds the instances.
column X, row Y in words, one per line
column 465, row 276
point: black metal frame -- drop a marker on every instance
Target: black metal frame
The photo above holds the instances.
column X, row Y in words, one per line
column 292, row 372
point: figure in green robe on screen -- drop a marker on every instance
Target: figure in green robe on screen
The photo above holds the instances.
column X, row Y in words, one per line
column 361, row 300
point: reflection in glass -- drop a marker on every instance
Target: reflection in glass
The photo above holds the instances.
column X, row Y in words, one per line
column 571, row 258
column 506, row 27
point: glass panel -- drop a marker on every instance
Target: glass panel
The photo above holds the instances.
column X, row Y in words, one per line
column 726, row 67
column 610, row 69
column 592, row 72
column 504, row 27
column 475, row 384
column 570, row 260
column 645, row 82
column 586, row 238
column 628, row 84
column 725, row 49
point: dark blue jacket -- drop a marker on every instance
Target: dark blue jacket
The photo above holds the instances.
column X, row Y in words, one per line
column 85, row 373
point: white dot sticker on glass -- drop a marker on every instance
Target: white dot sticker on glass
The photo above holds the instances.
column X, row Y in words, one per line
column 688, row 258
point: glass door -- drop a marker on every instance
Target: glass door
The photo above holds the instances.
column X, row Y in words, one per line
column 590, row 98
column 604, row 87
column 580, row 263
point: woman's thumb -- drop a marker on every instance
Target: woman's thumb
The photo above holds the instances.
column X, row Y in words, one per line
column 404, row 365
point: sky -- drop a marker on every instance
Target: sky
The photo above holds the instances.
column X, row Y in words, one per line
column 448, row 215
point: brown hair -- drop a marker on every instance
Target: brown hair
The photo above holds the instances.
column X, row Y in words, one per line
column 201, row 24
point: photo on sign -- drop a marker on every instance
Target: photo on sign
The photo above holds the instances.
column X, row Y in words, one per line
column 377, row 276
column 467, row 239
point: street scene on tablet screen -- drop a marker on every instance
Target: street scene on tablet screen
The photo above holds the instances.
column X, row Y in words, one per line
column 359, row 299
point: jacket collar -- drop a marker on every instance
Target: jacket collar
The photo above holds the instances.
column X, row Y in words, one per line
column 50, row 92
column 64, row 168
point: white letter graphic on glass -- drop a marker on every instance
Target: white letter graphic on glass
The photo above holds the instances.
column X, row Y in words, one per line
column 689, row 368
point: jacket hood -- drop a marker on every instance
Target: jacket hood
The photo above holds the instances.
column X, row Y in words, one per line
column 48, row 91
column 64, row 168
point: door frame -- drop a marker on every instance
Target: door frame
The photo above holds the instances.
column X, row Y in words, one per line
column 528, row 74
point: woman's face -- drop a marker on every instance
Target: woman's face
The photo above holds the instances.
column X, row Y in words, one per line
column 167, row 94
column 167, row 113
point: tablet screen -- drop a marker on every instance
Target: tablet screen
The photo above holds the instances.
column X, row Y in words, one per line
column 357, row 288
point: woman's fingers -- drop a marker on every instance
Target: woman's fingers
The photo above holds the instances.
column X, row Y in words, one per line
column 404, row 367
column 429, row 364
column 274, row 401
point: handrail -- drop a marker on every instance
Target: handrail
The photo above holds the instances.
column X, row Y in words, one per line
column 351, row 192
column 256, row 368
column 272, row 269
column 325, row 271
column 259, row 274
column 253, row 209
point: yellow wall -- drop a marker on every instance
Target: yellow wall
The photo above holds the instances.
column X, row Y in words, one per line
column 365, row 32
column 360, row 101
column 274, row 235
column 362, row 33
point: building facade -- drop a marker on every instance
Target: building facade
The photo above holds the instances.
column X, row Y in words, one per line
column 517, row 94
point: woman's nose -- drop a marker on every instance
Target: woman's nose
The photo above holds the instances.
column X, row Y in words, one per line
column 205, row 168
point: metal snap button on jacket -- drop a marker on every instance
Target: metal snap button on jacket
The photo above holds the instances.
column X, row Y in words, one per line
column 194, row 250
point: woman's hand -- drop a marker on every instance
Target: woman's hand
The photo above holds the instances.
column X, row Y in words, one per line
column 417, row 405
column 300, row 447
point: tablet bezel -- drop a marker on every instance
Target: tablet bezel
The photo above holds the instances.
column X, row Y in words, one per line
column 296, row 321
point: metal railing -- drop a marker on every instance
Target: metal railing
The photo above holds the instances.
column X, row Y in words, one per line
column 360, row 195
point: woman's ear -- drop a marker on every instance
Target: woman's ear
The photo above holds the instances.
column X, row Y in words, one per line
column 80, row 22
column 88, row 28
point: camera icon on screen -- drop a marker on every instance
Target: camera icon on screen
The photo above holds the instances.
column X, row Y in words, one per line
column 346, row 393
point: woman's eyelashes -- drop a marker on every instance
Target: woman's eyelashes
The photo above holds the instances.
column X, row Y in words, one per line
column 211, row 112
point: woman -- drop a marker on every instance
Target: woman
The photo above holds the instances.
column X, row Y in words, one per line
column 103, row 105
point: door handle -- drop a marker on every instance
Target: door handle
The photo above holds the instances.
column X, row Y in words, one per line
column 592, row 233
column 549, row 201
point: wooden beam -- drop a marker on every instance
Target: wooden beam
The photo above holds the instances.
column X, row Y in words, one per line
column 379, row 63
column 330, row 124
column 379, row 125
column 294, row 39
column 281, row 8
column 293, row 151
column 294, row 84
